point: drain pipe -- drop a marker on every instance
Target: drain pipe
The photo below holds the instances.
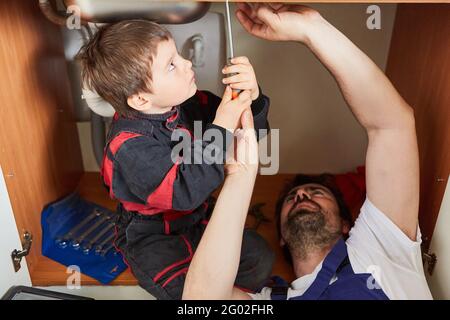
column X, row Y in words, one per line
column 98, row 136
column 49, row 12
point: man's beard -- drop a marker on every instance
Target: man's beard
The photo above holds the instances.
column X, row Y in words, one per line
column 306, row 231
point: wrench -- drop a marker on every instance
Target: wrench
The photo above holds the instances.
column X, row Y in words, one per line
column 63, row 241
column 76, row 242
column 107, row 249
column 99, row 247
column 88, row 246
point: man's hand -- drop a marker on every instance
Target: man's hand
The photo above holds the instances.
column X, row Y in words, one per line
column 229, row 112
column 278, row 22
column 245, row 78
column 243, row 158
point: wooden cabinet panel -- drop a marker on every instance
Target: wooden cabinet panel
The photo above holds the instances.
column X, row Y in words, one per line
column 40, row 152
column 419, row 67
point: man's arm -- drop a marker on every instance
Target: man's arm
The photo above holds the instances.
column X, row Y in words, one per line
column 392, row 166
column 213, row 269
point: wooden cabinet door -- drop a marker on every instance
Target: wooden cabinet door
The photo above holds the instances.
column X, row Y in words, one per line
column 39, row 149
column 419, row 67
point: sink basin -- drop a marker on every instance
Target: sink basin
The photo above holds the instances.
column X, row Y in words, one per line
column 166, row 12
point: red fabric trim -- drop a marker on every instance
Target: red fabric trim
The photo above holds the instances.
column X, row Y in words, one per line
column 142, row 209
column 244, row 289
column 166, row 227
column 176, row 264
column 205, row 221
column 188, row 245
column 116, row 116
column 107, row 171
column 173, row 215
column 150, row 210
column 107, row 165
column 167, row 269
column 176, row 274
column 163, row 195
column 118, row 140
column 202, row 97
column 172, row 118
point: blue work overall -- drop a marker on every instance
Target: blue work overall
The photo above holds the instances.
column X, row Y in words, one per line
column 348, row 286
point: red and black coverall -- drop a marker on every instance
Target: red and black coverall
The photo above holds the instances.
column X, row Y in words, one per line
column 164, row 206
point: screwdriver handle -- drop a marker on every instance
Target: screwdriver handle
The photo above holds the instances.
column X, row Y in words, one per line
column 235, row 93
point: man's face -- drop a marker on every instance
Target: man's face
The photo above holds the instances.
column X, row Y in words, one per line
column 310, row 219
column 173, row 80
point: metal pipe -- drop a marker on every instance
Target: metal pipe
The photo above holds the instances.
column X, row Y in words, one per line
column 48, row 11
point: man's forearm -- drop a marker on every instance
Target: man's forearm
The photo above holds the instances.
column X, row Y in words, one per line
column 214, row 267
column 369, row 93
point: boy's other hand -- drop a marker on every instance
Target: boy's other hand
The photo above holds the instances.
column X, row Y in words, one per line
column 229, row 112
column 244, row 79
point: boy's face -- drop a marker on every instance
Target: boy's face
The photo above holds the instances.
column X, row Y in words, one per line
column 173, row 81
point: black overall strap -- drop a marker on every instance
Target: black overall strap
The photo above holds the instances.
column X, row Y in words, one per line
column 279, row 288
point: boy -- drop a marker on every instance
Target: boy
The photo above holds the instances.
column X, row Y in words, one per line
column 164, row 205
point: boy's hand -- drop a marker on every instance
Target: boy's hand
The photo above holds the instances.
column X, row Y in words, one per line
column 229, row 112
column 245, row 79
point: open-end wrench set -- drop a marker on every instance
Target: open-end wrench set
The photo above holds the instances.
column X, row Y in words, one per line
column 81, row 233
column 97, row 228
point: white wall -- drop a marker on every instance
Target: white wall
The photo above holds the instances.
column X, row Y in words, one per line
column 317, row 131
column 9, row 240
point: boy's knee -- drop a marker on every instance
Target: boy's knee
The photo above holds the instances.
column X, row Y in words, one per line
column 172, row 291
column 257, row 260
column 265, row 258
column 255, row 246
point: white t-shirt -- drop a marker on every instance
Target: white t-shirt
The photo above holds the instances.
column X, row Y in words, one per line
column 377, row 246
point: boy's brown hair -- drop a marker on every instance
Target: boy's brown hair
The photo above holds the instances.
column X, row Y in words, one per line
column 116, row 62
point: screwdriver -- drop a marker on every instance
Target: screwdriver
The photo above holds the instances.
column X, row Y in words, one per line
column 235, row 92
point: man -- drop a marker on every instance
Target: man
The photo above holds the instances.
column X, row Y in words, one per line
column 381, row 258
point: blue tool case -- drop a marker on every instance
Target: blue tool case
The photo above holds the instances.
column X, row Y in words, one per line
column 79, row 233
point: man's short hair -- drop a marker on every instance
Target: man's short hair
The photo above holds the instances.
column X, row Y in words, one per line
column 116, row 62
